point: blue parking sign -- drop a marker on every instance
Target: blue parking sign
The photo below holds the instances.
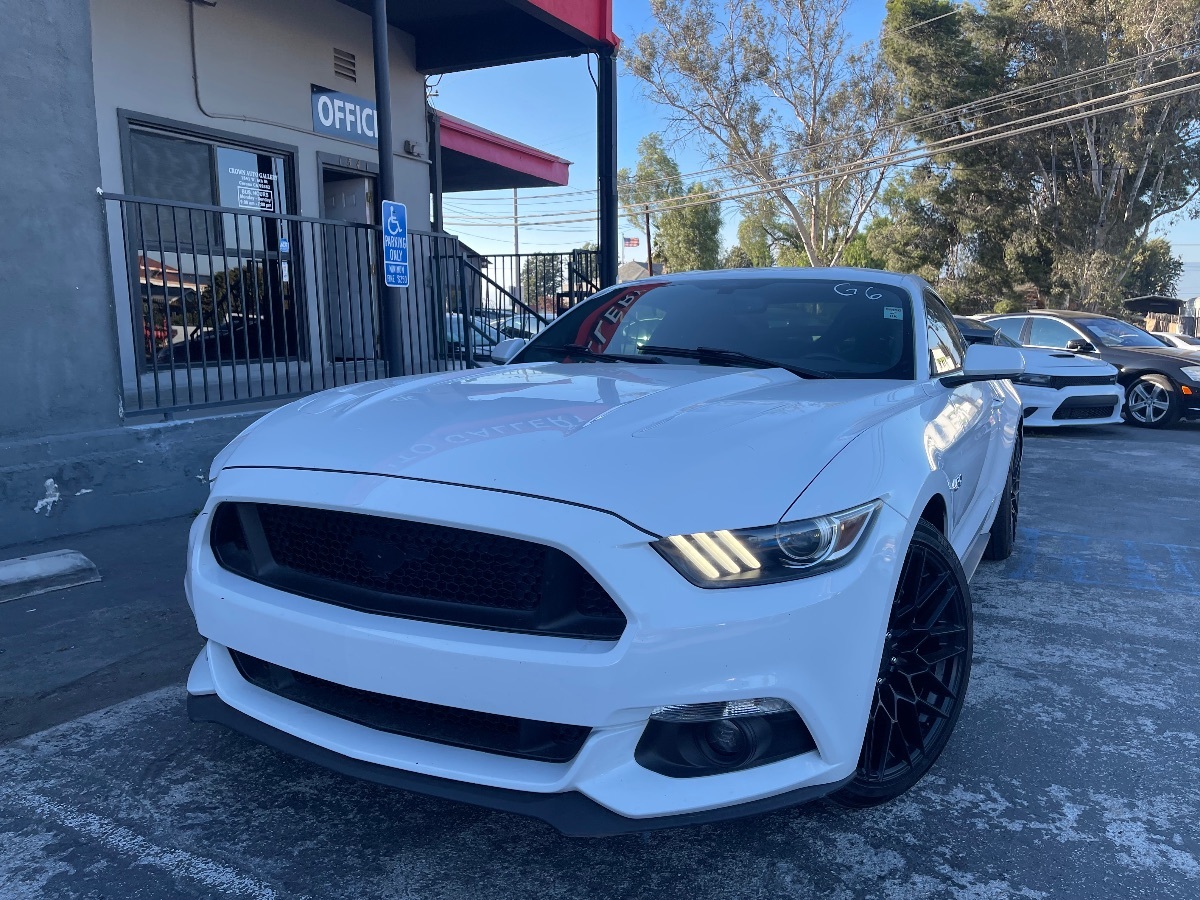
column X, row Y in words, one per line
column 395, row 244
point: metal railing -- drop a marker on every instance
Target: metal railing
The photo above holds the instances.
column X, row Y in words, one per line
column 232, row 306
column 520, row 293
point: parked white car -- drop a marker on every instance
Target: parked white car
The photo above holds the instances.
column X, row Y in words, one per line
column 718, row 525
column 520, row 325
column 1058, row 387
column 1181, row 341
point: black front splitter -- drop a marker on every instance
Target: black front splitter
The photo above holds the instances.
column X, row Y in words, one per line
column 570, row 812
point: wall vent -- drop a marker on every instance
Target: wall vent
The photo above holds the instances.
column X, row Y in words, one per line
column 344, row 64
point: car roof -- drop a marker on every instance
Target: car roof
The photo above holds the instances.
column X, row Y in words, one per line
column 775, row 273
column 1060, row 313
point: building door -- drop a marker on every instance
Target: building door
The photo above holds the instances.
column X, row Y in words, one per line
column 349, row 269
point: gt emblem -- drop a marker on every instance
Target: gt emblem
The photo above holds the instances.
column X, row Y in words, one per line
column 956, row 483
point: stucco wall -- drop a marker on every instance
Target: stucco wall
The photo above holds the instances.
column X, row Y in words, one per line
column 58, row 361
column 68, row 462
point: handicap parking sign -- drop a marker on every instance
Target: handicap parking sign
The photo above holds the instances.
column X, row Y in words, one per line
column 395, row 244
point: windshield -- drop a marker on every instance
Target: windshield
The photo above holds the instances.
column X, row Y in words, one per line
column 979, row 332
column 1115, row 333
column 841, row 328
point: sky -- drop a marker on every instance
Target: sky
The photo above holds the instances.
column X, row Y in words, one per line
column 551, row 105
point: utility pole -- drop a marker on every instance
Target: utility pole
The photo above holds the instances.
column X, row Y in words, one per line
column 516, row 235
column 649, row 247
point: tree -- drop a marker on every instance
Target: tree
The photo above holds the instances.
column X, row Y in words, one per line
column 1155, row 271
column 737, row 258
column 685, row 238
column 757, row 233
column 655, row 180
column 690, row 238
column 1063, row 209
column 774, row 92
column 541, row 280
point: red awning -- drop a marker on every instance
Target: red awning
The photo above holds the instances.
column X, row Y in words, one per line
column 456, row 35
column 475, row 159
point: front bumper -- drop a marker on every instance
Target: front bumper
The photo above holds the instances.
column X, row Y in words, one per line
column 570, row 812
column 1046, row 407
column 815, row 643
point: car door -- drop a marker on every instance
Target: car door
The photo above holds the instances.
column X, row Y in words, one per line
column 960, row 436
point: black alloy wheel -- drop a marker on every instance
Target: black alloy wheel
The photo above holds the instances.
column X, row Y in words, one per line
column 1003, row 534
column 923, row 674
column 1152, row 402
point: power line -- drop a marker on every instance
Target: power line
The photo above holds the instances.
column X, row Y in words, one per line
column 985, row 135
column 873, row 164
column 973, row 107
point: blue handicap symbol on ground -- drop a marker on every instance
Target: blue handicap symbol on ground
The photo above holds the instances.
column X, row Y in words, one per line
column 395, row 244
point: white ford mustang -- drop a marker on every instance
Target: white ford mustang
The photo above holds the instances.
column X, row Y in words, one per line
column 701, row 549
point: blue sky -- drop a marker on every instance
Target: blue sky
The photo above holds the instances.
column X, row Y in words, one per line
column 552, row 105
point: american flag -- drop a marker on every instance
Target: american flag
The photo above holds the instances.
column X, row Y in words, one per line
column 633, row 242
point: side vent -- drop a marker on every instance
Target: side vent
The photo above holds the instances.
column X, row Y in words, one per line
column 344, row 64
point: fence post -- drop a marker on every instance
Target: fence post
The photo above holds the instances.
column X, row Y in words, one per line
column 465, row 306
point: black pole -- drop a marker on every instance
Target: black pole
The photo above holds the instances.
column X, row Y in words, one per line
column 435, row 169
column 649, row 246
column 606, row 163
column 393, row 346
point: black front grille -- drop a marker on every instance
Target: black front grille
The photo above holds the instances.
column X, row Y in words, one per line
column 394, row 567
column 1086, row 408
column 505, row 735
column 1064, row 381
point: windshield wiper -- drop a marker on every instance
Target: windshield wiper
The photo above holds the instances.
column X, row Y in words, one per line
column 733, row 357
column 584, row 353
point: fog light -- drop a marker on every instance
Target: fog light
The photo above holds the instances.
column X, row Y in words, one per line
column 730, row 742
column 683, row 741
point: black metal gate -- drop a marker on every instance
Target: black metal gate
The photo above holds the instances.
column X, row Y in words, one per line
column 231, row 306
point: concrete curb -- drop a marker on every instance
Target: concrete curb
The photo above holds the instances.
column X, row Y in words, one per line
column 26, row 576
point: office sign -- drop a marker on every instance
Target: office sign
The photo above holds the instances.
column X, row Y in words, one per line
column 395, row 244
column 345, row 116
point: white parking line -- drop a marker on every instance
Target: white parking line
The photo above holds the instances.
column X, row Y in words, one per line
column 207, row 872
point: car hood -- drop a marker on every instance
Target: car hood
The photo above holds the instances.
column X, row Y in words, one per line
column 671, row 448
column 1163, row 358
column 1063, row 362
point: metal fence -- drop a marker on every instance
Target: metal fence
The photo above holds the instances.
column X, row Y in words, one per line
column 519, row 293
column 229, row 306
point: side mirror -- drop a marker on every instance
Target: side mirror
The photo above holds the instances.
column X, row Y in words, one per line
column 507, row 349
column 1079, row 345
column 987, row 362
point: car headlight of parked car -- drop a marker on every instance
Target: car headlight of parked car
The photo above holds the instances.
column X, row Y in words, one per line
column 1192, row 372
column 1034, row 380
column 773, row 553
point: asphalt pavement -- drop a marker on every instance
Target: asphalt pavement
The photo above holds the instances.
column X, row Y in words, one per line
column 1072, row 774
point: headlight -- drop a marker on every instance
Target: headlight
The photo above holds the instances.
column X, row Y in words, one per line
column 718, row 559
column 1034, row 380
column 1192, row 372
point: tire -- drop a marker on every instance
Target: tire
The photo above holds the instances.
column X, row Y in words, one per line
column 1003, row 534
column 1152, row 402
column 923, row 674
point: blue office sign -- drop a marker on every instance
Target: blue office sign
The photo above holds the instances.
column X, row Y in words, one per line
column 395, row 244
column 345, row 116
